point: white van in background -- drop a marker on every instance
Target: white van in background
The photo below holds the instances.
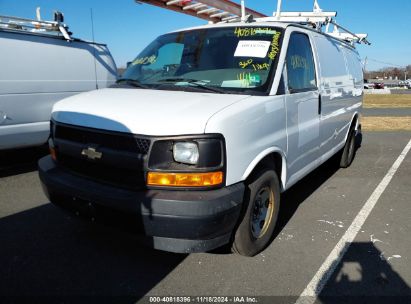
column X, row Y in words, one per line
column 39, row 66
column 209, row 125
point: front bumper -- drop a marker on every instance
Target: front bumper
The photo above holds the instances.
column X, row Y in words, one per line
column 177, row 221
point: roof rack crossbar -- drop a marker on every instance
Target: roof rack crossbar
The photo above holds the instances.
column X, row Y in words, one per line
column 308, row 14
column 208, row 10
column 230, row 18
column 221, row 14
column 297, row 19
column 193, row 6
column 172, row 2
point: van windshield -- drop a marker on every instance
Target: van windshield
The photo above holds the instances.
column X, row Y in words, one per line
column 239, row 60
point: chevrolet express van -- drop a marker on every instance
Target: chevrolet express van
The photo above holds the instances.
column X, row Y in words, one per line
column 204, row 131
column 39, row 66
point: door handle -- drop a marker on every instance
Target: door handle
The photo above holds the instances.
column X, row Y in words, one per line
column 319, row 104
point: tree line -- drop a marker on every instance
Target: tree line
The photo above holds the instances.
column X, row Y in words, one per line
column 393, row 72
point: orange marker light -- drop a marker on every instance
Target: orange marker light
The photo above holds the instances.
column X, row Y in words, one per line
column 184, row 179
column 53, row 153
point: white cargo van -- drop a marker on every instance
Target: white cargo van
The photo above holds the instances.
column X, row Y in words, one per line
column 206, row 129
column 39, row 66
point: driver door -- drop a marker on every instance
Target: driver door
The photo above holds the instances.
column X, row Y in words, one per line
column 303, row 108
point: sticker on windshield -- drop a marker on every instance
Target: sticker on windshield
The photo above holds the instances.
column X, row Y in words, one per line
column 274, row 46
column 252, row 31
column 145, row 60
column 252, row 48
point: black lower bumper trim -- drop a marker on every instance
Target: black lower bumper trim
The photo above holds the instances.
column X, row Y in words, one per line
column 178, row 221
column 188, row 246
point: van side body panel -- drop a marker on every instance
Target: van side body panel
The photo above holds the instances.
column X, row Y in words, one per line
column 340, row 89
column 38, row 71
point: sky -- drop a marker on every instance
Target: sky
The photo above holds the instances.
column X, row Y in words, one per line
column 127, row 27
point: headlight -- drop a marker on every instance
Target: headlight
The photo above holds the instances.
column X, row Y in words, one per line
column 186, row 152
column 195, row 161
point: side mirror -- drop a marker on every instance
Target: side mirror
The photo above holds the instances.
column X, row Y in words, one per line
column 128, row 63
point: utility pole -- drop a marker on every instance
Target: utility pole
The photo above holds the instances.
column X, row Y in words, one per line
column 365, row 65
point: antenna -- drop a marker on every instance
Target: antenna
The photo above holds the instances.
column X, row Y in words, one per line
column 92, row 24
column 94, row 46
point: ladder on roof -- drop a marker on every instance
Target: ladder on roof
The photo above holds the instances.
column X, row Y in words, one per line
column 217, row 11
column 56, row 27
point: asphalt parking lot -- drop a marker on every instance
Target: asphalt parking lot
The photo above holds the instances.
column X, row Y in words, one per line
column 401, row 91
column 45, row 252
column 386, row 111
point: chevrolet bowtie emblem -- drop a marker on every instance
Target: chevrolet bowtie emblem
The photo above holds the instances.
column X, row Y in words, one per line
column 91, row 153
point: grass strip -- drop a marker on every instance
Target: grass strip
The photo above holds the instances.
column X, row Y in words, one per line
column 386, row 123
column 387, row 101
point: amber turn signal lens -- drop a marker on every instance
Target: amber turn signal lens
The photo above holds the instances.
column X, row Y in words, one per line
column 184, row 179
column 53, row 153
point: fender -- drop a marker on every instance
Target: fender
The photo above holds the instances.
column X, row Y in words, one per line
column 356, row 113
column 263, row 154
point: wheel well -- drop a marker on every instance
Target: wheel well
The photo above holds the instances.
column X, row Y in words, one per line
column 353, row 125
column 273, row 161
column 356, row 125
column 354, row 121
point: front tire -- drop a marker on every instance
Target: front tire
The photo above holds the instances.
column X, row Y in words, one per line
column 256, row 228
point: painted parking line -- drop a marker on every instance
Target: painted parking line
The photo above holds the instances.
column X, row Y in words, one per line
column 314, row 288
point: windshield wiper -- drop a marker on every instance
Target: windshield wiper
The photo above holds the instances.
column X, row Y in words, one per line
column 132, row 82
column 196, row 83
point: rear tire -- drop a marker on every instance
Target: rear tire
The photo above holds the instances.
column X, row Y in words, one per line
column 262, row 203
column 349, row 150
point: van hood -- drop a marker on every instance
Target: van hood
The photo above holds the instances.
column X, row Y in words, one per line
column 142, row 111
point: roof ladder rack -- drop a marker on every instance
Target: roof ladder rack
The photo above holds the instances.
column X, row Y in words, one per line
column 347, row 35
column 218, row 11
column 56, row 27
column 317, row 19
column 214, row 11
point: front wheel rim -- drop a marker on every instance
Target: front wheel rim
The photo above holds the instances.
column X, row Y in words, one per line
column 262, row 212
